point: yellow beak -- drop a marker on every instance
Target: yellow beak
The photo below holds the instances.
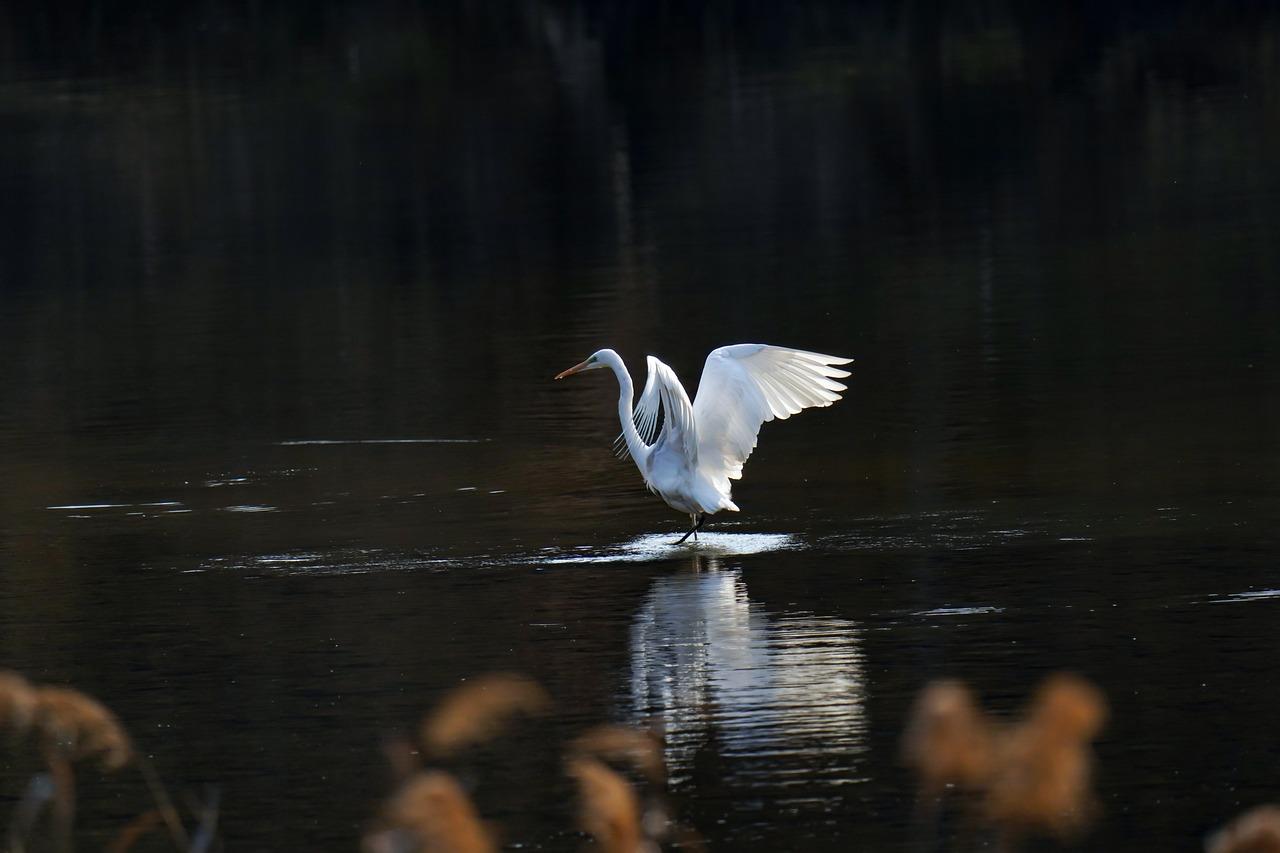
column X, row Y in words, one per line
column 572, row 370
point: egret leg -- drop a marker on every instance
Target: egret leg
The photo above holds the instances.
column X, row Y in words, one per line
column 699, row 519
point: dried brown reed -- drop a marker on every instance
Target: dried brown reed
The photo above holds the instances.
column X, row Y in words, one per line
column 1034, row 775
column 1255, row 831
column 639, row 749
column 430, row 811
column 137, row 829
column 17, row 702
column 76, row 726
column 1067, row 708
column 949, row 740
column 479, row 710
column 610, row 810
column 1043, row 767
column 434, row 811
column 70, row 726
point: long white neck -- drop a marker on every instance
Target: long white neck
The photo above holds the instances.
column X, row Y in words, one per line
column 639, row 451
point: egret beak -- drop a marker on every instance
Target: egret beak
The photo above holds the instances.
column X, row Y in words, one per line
column 577, row 368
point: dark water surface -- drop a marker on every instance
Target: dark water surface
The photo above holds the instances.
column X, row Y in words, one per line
column 281, row 296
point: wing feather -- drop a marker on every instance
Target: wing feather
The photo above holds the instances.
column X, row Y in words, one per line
column 663, row 394
column 645, row 414
column 679, row 423
column 746, row 385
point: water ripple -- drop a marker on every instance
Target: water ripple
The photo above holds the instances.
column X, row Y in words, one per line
column 960, row 611
column 1248, row 595
column 661, row 546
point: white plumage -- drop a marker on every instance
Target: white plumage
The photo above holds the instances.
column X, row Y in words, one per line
column 704, row 444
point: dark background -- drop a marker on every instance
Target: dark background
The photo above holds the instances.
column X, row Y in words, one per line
column 1046, row 232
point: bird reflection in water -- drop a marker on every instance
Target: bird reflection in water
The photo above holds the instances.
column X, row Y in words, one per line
column 717, row 672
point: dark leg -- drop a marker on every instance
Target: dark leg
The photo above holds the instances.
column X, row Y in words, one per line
column 694, row 532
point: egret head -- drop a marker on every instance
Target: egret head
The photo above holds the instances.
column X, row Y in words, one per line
column 594, row 362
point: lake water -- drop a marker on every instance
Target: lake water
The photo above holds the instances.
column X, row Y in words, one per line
column 281, row 297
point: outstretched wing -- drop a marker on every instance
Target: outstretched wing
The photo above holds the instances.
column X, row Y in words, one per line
column 743, row 386
column 663, row 394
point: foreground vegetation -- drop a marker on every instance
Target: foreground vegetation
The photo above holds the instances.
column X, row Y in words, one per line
column 1008, row 780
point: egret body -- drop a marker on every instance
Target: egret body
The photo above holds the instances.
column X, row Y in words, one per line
column 703, row 445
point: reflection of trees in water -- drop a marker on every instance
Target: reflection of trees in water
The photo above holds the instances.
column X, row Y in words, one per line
column 712, row 668
column 1033, row 208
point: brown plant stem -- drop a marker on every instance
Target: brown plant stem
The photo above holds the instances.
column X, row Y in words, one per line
column 134, row 830
column 64, row 799
column 164, row 803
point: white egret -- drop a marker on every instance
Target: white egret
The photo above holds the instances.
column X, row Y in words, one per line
column 703, row 444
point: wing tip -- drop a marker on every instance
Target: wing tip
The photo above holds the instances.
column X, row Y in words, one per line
column 822, row 357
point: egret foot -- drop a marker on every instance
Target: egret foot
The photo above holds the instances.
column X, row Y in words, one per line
column 701, row 519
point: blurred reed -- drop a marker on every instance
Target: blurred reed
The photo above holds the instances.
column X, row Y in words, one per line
column 1255, row 831
column 478, row 710
column 610, row 809
column 140, row 827
column 76, row 727
column 637, row 748
column 69, row 727
column 622, row 816
column 17, row 702
column 1030, row 776
column 622, row 807
column 430, row 811
column 949, row 740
